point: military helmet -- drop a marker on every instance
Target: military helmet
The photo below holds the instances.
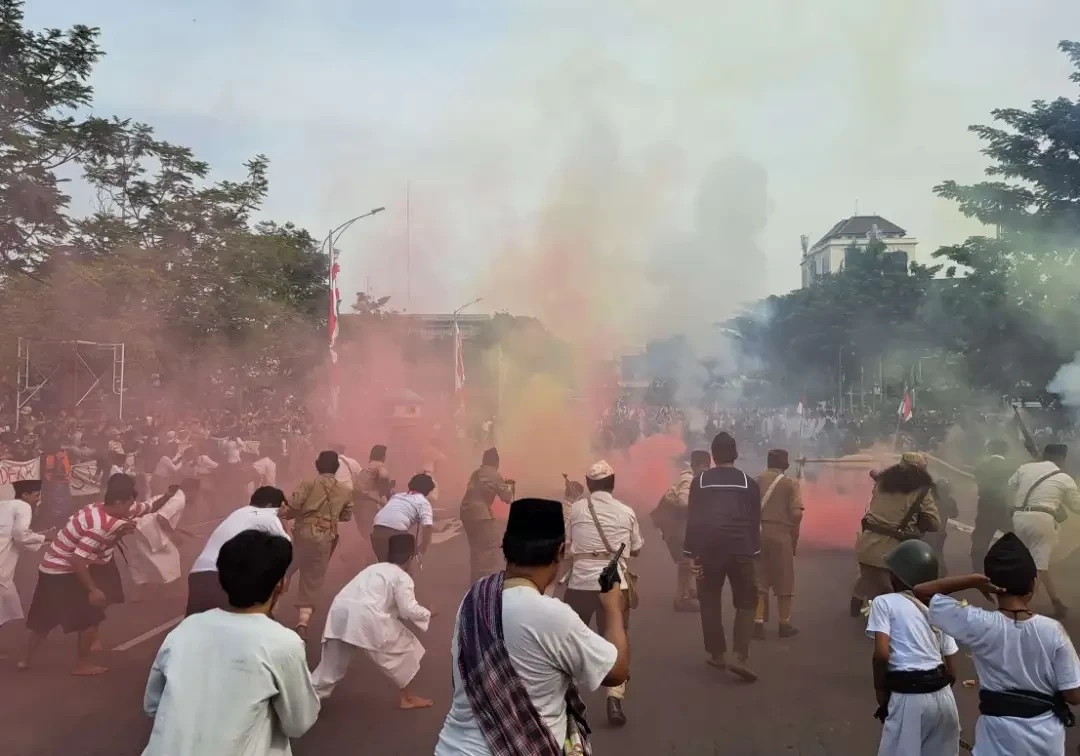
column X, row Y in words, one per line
column 913, row 562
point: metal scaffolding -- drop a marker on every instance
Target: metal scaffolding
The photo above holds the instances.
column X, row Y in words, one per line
column 43, row 362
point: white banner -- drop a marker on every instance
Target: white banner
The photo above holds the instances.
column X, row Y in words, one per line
column 83, row 477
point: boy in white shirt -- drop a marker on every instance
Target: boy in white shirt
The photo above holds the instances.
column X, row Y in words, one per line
column 204, row 588
column 913, row 662
column 233, row 682
column 1028, row 670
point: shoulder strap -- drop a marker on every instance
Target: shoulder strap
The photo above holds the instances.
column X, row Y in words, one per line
column 925, row 613
column 596, row 522
column 1036, row 484
column 913, row 509
column 770, row 489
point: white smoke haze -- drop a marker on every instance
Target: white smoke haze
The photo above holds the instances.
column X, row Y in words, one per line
column 1066, row 384
column 638, row 166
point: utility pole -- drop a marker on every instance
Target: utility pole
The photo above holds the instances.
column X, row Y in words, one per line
column 408, row 246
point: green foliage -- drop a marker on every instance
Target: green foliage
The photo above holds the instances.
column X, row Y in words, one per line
column 42, row 82
column 168, row 262
column 1008, row 305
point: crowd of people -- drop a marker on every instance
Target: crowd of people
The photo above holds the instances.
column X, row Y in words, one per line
column 523, row 645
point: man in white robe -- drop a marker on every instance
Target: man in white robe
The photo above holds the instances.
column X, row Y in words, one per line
column 15, row 538
column 367, row 614
column 151, row 553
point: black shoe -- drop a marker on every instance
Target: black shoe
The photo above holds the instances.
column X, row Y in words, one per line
column 615, row 716
column 856, row 608
column 788, row 631
column 759, row 631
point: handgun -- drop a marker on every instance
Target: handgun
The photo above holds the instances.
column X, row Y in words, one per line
column 609, row 577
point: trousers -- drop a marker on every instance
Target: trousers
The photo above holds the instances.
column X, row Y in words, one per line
column 311, row 559
column 587, row 605
column 921, row 724
column 739, row 570
column 485, row 547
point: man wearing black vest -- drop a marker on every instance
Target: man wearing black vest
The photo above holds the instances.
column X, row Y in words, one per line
column 723, row 536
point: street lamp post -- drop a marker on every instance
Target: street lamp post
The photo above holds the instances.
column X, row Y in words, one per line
column 331, row 283
column 335, row 234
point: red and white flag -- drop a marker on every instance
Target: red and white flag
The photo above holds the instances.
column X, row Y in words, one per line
column 802, row 404
column 904, row 410
column 459, row 371
column 332, row 322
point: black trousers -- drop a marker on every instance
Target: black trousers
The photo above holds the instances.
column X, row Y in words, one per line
column 739, row 571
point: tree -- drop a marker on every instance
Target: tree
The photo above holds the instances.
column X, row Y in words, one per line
column 1016, row 314
column 42, row 81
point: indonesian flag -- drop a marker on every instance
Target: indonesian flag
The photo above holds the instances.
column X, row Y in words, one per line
column 802, row 404
column 459, row 370
column 332, row 323
column 904, row 410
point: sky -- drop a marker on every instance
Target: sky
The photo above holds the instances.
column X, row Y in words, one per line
column 648, row 164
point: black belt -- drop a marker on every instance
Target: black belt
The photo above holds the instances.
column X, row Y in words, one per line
column 1024, row 704
column 913, row 682
column 885, row 530
column 918, row 681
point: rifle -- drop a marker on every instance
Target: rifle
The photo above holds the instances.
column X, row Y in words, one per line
column 609, row 577
column 1029, row 440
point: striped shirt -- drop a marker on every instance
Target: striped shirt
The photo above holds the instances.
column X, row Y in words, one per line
column 90, row 534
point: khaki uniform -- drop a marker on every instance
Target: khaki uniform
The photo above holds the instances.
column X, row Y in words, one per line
column 670, row 518
column 370, row 494
column 780, row 519
column 483, row 532
column 887, row 510
column 317, row 506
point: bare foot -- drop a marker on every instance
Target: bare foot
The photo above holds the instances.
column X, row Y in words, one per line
column 97, row 648
column 88, row 670
column 414, row 702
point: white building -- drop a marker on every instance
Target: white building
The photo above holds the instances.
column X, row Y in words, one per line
column 829, row 253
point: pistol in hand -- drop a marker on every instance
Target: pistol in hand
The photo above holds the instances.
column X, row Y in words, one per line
column 609, row 577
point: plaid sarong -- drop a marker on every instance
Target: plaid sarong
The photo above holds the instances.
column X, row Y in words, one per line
column 502, row 707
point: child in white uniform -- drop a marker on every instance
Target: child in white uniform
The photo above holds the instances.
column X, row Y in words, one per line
column 913, row 662
column 1029, row 673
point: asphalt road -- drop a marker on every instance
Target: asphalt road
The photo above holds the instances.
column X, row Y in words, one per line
column 814, row 695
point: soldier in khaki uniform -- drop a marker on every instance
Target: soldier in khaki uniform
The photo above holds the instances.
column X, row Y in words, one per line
column 781, row 515
column 483, row 532
column 901, row 509
column 669, row 517
column 371, row 490
column 317, row 507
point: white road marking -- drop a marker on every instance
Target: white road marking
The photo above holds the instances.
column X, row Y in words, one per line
column 149, row 634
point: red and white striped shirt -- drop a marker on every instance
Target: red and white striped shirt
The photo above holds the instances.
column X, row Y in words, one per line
column 90, row 534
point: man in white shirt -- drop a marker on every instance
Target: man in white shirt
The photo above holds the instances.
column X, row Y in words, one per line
column 405, row 513
column 348, row 468
column 1028, row 670
column 518, row 688
column 233, row 682
column 367, row 614
column 913, row 662
column 1043, row 494
column 204, row 588
column 598, row 525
